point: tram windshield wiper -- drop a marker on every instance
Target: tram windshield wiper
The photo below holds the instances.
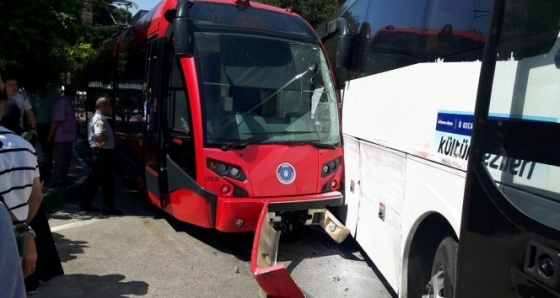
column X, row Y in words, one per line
column 322, row 145
column 312, row 143
column 237, row 144
column 282, row 132
column 241, row 144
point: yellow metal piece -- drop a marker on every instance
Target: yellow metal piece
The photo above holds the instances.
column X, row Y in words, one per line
column 334, row 228
column 268, row 243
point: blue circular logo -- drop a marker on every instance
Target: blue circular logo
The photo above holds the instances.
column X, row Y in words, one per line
column 286, row 173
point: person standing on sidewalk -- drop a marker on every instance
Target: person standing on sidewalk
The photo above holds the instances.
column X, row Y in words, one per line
column 64, row 132
column 11, row 116
column 43, row 105
column 102, row 143
column 25, row 107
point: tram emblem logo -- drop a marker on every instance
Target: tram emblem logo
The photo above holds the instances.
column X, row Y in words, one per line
column 286, row 173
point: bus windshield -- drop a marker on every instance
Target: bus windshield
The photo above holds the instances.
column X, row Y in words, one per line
column 263, row 89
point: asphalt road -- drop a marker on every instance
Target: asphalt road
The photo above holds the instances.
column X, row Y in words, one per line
column 147, row 253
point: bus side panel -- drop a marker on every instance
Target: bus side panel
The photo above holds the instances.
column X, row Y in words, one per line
column 351, row 187
column 381, row 205
column 399, row 108
column 431, row 187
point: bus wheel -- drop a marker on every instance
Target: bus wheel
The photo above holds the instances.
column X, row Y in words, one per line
column 444, row 270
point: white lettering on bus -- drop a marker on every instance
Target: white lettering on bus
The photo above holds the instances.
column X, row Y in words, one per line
column 443, row 122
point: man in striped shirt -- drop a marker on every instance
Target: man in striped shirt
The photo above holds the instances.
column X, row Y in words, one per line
column 64, row 131
column 20, row 186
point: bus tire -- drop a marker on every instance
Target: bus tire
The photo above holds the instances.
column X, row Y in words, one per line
column 444, row 270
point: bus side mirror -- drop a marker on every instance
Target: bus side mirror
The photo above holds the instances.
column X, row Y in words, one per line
column 361, row 48
column 344, row 41
column 182, row 29
column 344, row 49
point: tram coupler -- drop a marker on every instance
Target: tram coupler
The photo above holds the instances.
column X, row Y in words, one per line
column 334, row 228
column 272, row 277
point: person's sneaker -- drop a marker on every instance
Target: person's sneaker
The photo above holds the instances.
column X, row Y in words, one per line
column 32, row 289
column 89, row 209
column 111, row 211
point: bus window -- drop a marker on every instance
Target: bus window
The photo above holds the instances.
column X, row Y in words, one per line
column 395, row 34
column 526, row 90
column 510, row 228
column 455, row 31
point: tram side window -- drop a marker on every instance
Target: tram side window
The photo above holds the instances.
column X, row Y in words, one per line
column 394, row 35
column 129, row 99
column 178, row 119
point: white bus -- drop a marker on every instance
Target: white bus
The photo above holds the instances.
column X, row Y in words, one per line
column 408, row 71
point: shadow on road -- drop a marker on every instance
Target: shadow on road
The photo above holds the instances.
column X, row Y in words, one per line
column 85, row 285
column 68, row 249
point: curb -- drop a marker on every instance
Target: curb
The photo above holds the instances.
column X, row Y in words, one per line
column 54, row 197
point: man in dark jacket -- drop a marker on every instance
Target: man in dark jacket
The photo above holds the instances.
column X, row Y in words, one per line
column 10, row 119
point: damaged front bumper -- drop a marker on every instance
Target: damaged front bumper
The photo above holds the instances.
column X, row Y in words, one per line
column 272, row 277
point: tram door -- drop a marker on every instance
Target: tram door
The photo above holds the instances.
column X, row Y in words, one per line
column 510, row 233
column 152, row 134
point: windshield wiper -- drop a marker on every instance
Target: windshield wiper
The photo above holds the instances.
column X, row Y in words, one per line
column 282, row 132
column 315, row 144
column 235, row 145
column 239, row 144
column 322, row 145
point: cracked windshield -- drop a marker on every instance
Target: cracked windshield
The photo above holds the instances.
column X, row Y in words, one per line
column 265, row 90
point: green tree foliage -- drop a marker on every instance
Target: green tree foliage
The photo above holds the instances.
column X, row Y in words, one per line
column 110, row 15
column 36, row 38
column 43, row 39
column 314, row 12
column 121, row 15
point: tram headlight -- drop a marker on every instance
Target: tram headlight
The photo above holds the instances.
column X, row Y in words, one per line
column 225, row 170
column 331, row 166
column 234, row 172
column 221, row 168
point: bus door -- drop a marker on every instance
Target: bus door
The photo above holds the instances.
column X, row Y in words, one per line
column 510, row 233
